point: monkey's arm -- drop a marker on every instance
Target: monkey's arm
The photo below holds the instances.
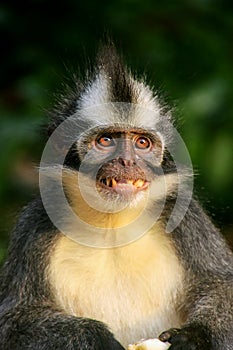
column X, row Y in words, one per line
column 40, row 327
column 27, row 317
column 209, row 320
column 208, row 302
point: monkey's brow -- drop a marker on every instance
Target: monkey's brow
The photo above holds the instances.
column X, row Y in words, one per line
column 96, row 132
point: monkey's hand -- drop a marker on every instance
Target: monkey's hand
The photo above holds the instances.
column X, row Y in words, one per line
column 191, row 337
column 46, row 329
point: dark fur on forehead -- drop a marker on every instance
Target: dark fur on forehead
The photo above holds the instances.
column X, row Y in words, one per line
column 111, row 63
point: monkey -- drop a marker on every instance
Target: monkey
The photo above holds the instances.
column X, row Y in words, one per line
column 92, row 263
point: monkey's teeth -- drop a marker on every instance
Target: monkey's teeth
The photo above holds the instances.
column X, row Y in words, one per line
column 111, row 182
column 130, row 182
column 114, row 183
column 139, row 183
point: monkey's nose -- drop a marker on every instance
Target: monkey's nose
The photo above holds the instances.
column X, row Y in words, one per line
column 126, row 162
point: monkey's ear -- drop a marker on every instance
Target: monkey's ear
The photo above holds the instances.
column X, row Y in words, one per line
column 59, row 133
column 57, row 143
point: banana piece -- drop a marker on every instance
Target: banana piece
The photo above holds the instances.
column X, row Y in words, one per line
column 149, row 344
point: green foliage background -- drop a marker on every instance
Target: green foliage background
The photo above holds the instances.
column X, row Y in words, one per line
column 184, row 47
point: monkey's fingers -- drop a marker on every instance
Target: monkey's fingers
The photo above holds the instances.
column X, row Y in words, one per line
column 192, row 337
column 169, row 334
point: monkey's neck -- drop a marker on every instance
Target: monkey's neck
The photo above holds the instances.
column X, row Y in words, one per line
column 106, row 220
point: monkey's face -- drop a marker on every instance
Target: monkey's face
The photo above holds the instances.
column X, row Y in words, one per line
column 123, row 163
column 116, row 159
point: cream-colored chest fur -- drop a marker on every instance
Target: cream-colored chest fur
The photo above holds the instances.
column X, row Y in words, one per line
column 132, row 288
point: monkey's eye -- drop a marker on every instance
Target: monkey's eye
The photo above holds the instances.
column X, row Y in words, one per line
column 142, row 143
column 105, row 141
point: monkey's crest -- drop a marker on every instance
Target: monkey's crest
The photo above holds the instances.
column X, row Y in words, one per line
column 106, row 86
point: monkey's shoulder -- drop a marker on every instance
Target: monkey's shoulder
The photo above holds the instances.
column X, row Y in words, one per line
column 33, row 221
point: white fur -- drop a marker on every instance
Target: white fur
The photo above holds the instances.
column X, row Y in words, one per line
column 95, row 105
column 148, row 110
column 132, row 289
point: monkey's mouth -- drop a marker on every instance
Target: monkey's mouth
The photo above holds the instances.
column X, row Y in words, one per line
column 124, row 185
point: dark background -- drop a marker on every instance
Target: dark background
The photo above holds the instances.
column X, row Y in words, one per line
column 184, row 47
